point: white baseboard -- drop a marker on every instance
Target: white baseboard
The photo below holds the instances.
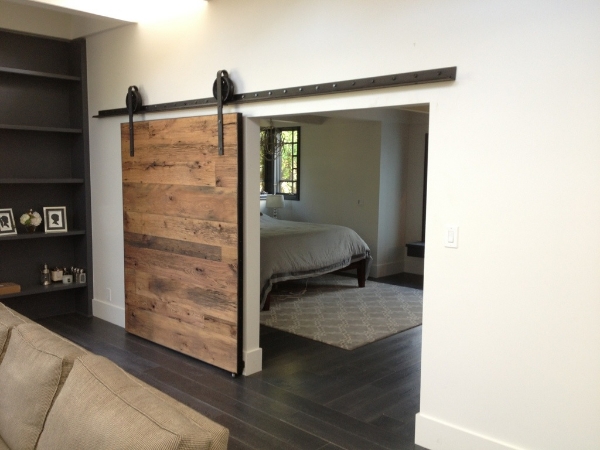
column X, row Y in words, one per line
column 436, row 435
column 252, row 361
column 109, row 312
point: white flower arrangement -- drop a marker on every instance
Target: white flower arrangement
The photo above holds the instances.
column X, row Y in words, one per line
column 31, row 218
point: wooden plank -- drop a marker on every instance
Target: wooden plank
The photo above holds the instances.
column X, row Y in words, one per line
column 192, row 173
column 197, row 272
column 182, row 300
column 169, row 135
column 185, row 338
column 226, row 172
column 223, row 328
column 219, row 234
column 195, row 202
column 173, row 246
column 130, row 281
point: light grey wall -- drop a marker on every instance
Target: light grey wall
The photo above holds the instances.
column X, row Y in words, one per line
column 415, row 156
column 339, row 178
column 392, row 207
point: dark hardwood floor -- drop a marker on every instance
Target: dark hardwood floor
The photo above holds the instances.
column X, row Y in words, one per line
column 309, row 395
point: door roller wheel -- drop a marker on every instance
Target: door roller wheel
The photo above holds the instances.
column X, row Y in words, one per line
column 226, row 87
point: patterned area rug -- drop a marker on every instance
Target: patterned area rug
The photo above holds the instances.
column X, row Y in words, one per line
column 334, row 310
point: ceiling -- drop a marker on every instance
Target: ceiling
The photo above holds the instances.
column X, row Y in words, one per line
column 37, row 17
column 70, row 19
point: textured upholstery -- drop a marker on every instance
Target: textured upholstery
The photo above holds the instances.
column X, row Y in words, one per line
column 101, row 406
column 8, row 320
column 56, row 395
column 34, row 367
column 11, row 318
column 4, row 331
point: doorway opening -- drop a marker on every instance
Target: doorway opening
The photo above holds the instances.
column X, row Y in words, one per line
column 364, row 169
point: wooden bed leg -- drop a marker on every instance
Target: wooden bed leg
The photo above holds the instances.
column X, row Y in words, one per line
column 267, row 305
column 360, row 272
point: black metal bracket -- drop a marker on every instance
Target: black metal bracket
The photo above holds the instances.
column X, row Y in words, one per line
column 386, row 81
column 222, row 91
column 134, row 103
column 220, row 110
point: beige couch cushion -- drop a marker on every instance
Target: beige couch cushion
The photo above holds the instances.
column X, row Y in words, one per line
column 10, row 317
column 33, row 370
column 8, row 320
column 4, row 331
column 101, row 406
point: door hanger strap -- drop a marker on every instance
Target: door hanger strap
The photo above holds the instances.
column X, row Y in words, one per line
column 134, row 103
column 223, row 91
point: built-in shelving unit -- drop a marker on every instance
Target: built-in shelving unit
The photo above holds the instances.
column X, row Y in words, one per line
column 44, row 161
column 46, row 129
column 42, row 181
column 36, row 73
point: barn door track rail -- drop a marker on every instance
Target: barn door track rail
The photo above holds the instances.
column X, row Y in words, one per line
column 386, row 81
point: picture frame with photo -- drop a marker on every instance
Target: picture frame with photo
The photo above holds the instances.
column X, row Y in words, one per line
column 55, row 219
column 7, row 222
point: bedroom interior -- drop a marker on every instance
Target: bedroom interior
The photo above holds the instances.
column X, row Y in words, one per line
column 364, row 169
column 342, row 156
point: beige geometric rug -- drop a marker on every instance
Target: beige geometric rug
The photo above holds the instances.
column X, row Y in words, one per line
column 334, row 310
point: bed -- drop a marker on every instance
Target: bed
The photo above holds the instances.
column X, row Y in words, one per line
column 294, row 250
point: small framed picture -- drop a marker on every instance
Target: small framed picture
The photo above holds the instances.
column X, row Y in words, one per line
column 7, row 222
column 55, row 219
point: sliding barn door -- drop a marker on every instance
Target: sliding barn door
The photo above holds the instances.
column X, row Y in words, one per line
column 182, row 223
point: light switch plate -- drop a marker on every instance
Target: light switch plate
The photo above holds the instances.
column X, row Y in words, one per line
column 451, row 236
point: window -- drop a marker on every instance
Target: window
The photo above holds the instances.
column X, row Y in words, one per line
column 279, row 174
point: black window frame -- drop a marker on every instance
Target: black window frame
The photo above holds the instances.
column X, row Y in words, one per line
column 271, row 169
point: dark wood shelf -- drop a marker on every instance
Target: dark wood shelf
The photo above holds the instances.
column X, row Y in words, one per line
column 39, row 289
column 40, row 235
column 35, row 73
column 4, row 126
column 41, row 180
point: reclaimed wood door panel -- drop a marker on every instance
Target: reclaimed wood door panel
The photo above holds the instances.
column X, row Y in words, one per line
column 181, row 219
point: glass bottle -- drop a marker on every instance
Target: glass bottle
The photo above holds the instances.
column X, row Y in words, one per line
column 45, row 277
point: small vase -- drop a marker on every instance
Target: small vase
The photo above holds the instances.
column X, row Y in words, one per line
column 30, row 228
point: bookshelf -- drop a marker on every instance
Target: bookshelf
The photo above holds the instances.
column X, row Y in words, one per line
column 44, row 161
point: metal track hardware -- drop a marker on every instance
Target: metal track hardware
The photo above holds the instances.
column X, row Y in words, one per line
column 386, row 81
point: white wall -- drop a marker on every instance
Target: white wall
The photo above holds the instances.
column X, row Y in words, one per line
column 511, row 343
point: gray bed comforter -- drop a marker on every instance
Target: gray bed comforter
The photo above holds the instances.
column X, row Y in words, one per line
column 294, row 250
